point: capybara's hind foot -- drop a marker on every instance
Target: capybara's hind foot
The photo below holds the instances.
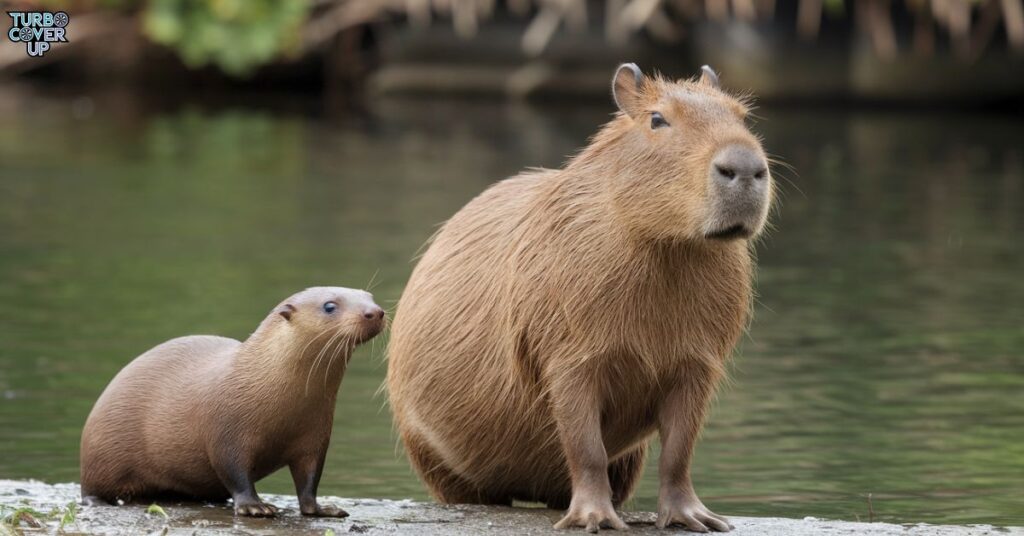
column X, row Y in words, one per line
column 92, row 500
column 689, row 512
column 593, row 515
column 325, row 511
column 255, row 509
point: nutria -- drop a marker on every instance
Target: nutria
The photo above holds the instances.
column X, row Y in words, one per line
column 562, row 317
column 204, row 417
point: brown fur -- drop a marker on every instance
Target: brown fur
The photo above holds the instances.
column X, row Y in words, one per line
column 205, row 417
column 562, row 317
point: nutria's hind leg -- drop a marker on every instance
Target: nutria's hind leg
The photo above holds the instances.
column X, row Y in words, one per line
column 446, row 486
column 624, row 473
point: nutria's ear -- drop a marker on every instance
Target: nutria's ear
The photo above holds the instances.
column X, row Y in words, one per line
column 286, row 311
column 626, row 88
column 708, row 77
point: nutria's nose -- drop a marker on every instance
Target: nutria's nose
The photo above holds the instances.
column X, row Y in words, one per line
column 739, row 164
column 375, row 313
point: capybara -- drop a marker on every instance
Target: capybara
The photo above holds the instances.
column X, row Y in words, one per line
column 562, row 317
column 204, row 417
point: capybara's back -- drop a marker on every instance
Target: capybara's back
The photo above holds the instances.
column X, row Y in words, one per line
column 137, row 424
column 563, row 316
column 450, row 369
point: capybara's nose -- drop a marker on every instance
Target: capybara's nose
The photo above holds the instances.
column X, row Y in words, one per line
column 375, row 313
column 738, row 165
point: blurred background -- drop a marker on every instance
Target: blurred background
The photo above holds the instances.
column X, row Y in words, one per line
column 179, row 166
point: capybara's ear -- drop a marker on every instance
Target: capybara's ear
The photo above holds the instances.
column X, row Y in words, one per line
column 708, row 77
column 626, row 88
column 287, row 310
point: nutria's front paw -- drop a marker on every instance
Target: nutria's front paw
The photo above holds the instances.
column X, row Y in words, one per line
column 593, row 515
column 689, row 512
column 325, row 511
column 255, row 509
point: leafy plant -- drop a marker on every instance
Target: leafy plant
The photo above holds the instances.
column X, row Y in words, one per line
column 235, row 35
column 156, row 509
column 25, row 515
column 68, row 515
column 28, row 516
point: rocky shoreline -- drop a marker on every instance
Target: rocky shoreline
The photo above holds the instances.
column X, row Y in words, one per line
column 376, row 516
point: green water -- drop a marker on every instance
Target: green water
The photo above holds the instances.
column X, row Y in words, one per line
column 886, row 356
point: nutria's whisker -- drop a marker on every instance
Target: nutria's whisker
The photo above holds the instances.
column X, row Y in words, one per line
column 301, row 357
column 316, row 362
column 348, row 347
column 369, row 285
column 311, row 340
column 331, row 353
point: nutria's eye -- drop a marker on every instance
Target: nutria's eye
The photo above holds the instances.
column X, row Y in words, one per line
column 657, row 121
column 330, row 307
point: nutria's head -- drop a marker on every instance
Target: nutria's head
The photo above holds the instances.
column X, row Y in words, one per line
column 688, row 166
column 332, row 312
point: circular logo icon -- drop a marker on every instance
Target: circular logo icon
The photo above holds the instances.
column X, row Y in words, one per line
column 60, row 19
column 25, row 34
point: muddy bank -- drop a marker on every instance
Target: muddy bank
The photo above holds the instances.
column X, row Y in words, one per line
column 374, row 516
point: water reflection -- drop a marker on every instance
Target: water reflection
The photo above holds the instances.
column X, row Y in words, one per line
column 884, row 357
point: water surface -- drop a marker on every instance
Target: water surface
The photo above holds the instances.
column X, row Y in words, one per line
column 885, row 357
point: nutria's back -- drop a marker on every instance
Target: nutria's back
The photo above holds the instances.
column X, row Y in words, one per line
column 139, row 417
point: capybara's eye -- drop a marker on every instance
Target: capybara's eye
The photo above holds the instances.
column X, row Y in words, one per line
column 657, row 121
column 330, row 307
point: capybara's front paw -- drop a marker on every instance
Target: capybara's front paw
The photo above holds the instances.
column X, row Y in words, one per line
column 255, row 509
column 593, row 515
column 690, row 513
column 325, row 511
column 92, row 500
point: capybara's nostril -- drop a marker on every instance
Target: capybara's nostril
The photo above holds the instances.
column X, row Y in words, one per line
column 739, row 162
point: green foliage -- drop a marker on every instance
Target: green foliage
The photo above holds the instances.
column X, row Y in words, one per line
column 69, row 514
column 30, row 517
column 835, row 8
column 156, row 509
column 235, row 35
column 116, row 5
column 24, row 515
